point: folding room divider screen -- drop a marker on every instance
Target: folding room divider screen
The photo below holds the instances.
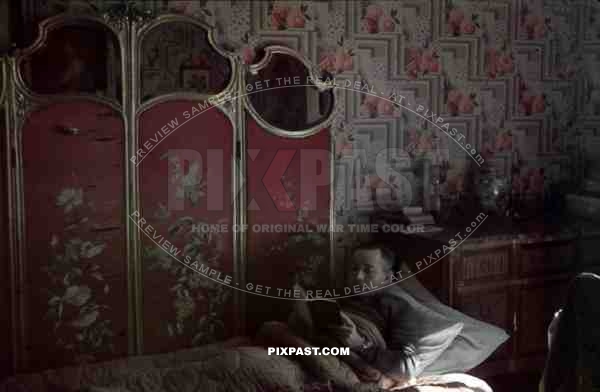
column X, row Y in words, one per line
column 137, row 150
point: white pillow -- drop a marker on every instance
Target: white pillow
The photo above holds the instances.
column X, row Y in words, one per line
column 426, row 331
column 475, row 343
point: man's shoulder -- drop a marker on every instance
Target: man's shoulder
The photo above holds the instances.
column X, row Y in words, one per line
column 395, row 297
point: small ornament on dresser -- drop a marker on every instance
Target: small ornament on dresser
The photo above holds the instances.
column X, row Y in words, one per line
column 528, row 191
column 493, row 191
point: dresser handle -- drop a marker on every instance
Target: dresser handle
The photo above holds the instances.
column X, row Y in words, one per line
column 515, row 322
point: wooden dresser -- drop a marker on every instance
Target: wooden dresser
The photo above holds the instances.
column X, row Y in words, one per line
column 513, row 276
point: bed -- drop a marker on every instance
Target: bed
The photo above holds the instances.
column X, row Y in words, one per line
column 242, row 364
column 237, row 365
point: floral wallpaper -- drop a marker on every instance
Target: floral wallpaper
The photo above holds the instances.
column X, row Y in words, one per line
column 515, row 76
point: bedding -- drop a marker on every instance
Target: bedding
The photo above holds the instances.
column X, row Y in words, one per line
column 234, row 366
column 415, row 334
column 476, row 341
column 429, row 332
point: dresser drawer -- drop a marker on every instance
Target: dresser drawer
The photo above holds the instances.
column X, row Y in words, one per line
column 546, row 258
column 483, row 266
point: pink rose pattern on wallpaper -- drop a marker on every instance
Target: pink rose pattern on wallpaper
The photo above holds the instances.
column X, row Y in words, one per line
column 338, row 60
column 284, row 17
column 536, row 25
column 458, row 23
column 374, row 106
column 498, row 63
column 502, row 143
column 420, row 142
column 375, row 20
column 459, row 102
column 530, row 101
column 247, row 53
column 422, row 61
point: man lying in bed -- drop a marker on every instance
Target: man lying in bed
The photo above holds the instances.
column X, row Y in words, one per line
column 378, row 327
column 374, row 325
column 383, row 348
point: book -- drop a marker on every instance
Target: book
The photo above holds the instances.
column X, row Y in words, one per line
column 325, row 313
column 424, row 219
column 428, row 229
column 412, row 211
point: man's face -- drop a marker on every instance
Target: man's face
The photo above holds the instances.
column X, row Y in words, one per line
column 368, row 265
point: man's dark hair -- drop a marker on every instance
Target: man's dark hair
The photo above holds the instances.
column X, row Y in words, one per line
column 388, row 255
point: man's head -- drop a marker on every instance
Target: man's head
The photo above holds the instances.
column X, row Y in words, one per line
column 372, row 262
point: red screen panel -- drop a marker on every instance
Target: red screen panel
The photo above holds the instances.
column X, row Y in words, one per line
column 284, row 176
column 185, row 186
column 75, row 264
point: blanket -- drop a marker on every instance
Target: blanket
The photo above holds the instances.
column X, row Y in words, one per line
column 238, row 365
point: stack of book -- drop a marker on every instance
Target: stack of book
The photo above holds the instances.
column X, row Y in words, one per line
column 416, row 216
column 419, row 221
column 413, row 220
